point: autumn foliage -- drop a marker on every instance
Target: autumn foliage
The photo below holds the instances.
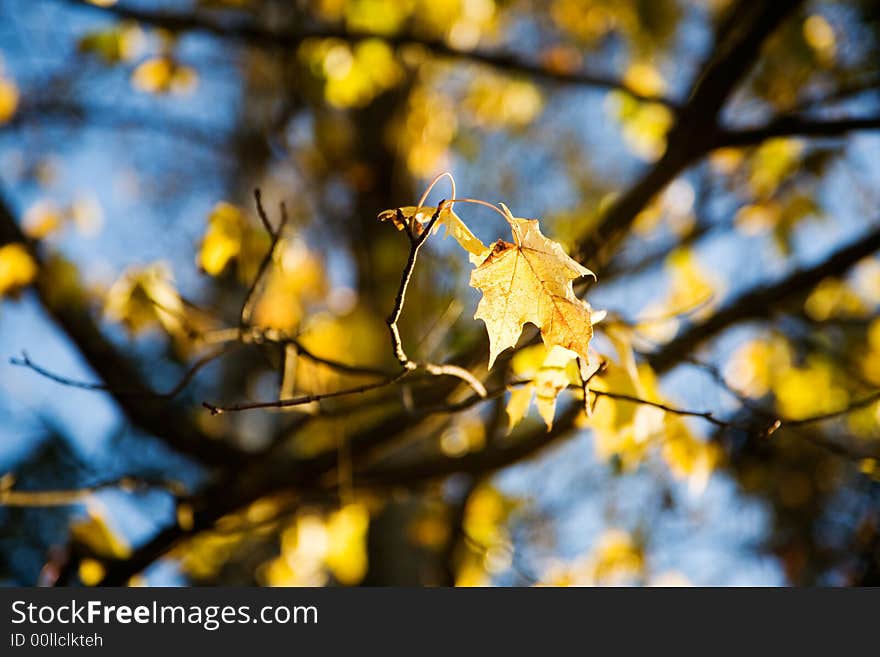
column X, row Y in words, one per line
column 447, row 292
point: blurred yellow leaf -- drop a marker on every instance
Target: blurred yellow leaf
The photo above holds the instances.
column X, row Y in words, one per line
column 810, row 390
column 644, row 124
column 316, row 544
column 222, row 241
column 753, row 366
column 91, row 572
column 467, row 434
column 376, row 16
column 42, row 219
column 17, row 268
column 834, row 298
column 518, row 405
column 347, row 554
column 726, row 160
column 589, row 21
column 431, row 124
column 353, row 74
column 123, row 42
column 617, row 559
column 644, row 78
column 495, row 100
column 95, row 532
column 185, row 516
column 145, row 296
column 819, row 35
column 8, row 99
column 297, row 280
column 691, row 285
column 159, row 75
column 687, row 456
column 771, row 163
column 65, row 289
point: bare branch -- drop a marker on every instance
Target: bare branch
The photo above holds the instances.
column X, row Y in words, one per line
column 708, row 416
column 458, row 372
column 275, row 236
column 822, row 417
column 306, row 399
column 25, row 361
column 168, row 423
column 792, row 126
column 694, row 132
column 261, row 211
column 416, row 240
column 762, row 301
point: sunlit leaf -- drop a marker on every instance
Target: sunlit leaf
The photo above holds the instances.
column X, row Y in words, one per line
column 530, row 280
column 455, row 227
column 549, row 371
column 17, row 269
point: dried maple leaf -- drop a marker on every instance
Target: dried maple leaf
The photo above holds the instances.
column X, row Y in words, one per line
column 453, row 223
column 530, row 281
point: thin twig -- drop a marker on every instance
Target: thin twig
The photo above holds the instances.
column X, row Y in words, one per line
column 774, row 422
column 458, row 372
column 247, row 306
column 708, row 416
column 25, row 361
column 585, row 382
column 821, row 417
column 258, row 197
column 418, row 235
column 356, row 370
column 416, row 241
column 306, row 399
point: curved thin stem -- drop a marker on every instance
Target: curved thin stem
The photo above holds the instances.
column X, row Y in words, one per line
column 437, row 179
column 481, row 202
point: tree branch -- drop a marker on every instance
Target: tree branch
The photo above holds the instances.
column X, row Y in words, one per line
column 796, row 126
column 306, row 399
column 417, row 235
column 695, row 129
column 762, row 301
column 188, row 376
column 168, row 423
column 43, row 498
column 253, row 34
column 274, row 236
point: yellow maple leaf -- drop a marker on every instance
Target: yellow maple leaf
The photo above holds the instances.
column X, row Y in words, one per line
column 530, row 281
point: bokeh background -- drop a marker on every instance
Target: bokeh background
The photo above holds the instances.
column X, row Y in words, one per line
column 713, row 162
